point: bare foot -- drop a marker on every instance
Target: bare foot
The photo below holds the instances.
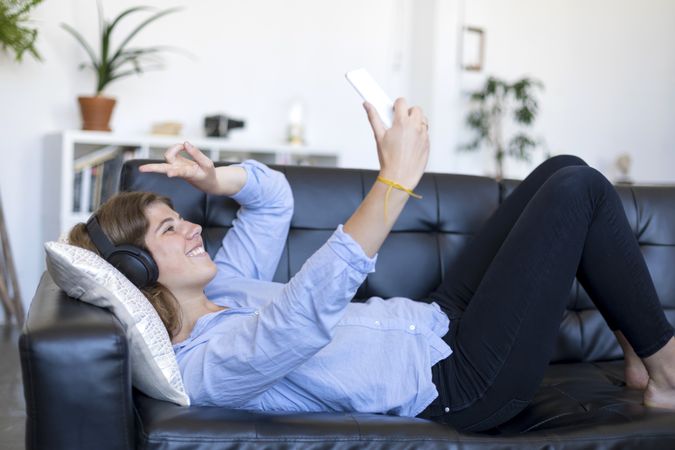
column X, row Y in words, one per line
column 660, row 390
column 636, row 375
column 659, row 397
column 635, row 371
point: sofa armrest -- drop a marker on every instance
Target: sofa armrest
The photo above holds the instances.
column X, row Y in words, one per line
column 76, row 375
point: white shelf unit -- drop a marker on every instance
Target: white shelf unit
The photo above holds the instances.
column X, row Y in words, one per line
column 65, row 148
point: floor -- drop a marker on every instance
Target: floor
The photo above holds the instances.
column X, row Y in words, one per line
column 12, row 405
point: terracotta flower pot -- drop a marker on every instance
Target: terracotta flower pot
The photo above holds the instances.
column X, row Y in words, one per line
column 96, row 112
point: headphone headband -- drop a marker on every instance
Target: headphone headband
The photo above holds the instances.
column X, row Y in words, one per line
column 99, row 238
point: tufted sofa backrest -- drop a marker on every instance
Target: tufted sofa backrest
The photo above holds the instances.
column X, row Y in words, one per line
column 429, row 235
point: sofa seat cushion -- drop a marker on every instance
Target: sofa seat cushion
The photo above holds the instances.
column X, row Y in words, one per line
column 580, row 405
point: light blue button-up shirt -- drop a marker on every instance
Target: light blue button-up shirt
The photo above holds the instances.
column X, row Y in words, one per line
column 302, row 346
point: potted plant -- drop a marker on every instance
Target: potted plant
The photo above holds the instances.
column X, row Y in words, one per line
column 113, row 64
column 14, row 34
column 488, row 112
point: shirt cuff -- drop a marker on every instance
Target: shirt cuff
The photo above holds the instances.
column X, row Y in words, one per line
column 441, row 322
column 351, row 252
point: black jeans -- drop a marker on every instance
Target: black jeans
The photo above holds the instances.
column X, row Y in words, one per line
column 507, row 296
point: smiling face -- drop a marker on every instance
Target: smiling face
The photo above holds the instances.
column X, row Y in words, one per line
column 176, row 246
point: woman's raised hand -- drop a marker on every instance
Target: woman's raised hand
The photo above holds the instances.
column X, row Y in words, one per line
column 403, row 149
column 199, row 171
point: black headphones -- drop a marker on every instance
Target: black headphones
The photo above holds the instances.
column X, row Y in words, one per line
column 135, row 263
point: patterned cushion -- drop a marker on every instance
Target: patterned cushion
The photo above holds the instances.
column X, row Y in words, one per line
column 88, row 277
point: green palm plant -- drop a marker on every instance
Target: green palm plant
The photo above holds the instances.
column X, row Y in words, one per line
column 113, row 64
column 489, row 109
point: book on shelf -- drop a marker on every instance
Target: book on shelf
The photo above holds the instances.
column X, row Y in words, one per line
column 96, row 157
column 96, row 176
column 77, row 191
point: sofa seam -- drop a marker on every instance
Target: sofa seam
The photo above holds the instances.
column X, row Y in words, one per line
column 555, row 387
column 29, row 344
column 143, row 436
column 123, row 178
column 637, row 214
column 437, row 192
column 611, row 408
column 122, row 386
column 581, row 335
column 205, row 209
column 412, row 230
column 520, row 439
column 542, row 422
column 287, row 245
column 366, row 281
column 358, row 425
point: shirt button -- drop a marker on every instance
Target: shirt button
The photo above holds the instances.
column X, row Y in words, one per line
column 411, row 327
column 447, row 409
column 257, row 313
column 377, row 322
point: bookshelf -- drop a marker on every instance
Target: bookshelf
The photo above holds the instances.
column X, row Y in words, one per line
column 81, row 168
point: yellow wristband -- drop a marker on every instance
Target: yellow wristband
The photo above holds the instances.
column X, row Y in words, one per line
column 394, row 185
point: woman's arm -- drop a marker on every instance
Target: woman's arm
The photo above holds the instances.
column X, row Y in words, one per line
column 403, row 151
column 253, row 246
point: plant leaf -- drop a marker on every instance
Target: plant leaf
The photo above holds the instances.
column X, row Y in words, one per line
column 101, row 21
column 478, row 96
column 473, row 145
column 520, row 146
column 130, row 53
column 141, row 26
column 82, row 41
column 524, row 115
column 154, row 49
column 134, row 71
column 125, row 13
column 490, row 86
column 106, row 35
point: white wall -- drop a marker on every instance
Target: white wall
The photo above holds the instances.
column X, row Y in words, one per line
column 609, row 71
column 608, row 67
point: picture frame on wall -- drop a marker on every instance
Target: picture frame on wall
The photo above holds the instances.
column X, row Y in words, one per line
column 473, row 48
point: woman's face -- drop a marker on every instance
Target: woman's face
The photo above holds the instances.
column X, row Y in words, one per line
column 177, row 247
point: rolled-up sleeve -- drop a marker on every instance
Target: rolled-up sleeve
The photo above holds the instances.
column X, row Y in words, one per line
column 254, row 244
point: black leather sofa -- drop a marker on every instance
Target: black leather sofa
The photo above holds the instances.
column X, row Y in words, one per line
column 76, row 366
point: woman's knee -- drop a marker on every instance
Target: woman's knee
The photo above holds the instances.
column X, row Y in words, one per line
column 552, row 165
column 579, row 180
column 561, row 161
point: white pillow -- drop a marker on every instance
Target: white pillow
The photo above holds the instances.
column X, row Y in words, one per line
column 86, row 276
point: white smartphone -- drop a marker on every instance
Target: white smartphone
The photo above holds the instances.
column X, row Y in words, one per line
column 371, row 92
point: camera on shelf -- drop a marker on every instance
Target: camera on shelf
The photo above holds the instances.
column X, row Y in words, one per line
column 220, row 125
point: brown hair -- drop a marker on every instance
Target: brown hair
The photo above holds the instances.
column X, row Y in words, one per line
column 123, row 221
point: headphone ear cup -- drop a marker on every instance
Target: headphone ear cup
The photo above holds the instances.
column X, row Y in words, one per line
column 136, row 264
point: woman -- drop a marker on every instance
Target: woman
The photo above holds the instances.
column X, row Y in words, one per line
column 471, row 355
